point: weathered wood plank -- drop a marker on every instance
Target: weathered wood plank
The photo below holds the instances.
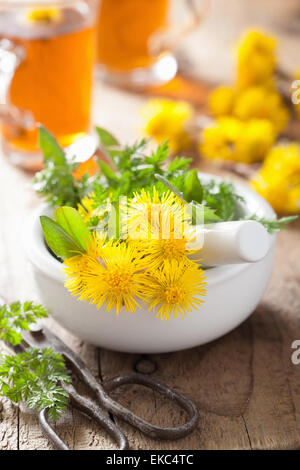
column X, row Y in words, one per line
column 8, row 425
column 273, row 415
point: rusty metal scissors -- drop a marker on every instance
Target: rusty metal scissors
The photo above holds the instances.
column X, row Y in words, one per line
column 44, row 338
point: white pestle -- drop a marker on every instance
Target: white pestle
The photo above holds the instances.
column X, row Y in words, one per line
column 243, row 241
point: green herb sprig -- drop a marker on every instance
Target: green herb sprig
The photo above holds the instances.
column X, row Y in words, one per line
column 131, row 169
column 16, row 317
column 34, row 375
column 56, row 182
column 275, row 225
column 220, row 199
column 134, row 169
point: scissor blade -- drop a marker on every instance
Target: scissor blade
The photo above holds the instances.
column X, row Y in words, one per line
column 35, row 339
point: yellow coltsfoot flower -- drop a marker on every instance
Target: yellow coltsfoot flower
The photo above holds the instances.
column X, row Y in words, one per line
column 150, row 215
column 159, row 227
column 256, row 60
column 278, row 181
column 167, row 120
column 86, row 207
column 150, row 198
column 79, row 264
column 163, row 250
column 176, row 288
column 118, row 273
column 113, row 278
column 89, row 210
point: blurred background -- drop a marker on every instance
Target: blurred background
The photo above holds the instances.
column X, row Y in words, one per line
column 201, row 73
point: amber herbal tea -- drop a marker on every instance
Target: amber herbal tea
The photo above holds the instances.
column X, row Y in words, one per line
column 54, row 79
column 125, row 28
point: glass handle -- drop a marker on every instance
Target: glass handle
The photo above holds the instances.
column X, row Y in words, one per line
column 166, row 39
column 11, row 55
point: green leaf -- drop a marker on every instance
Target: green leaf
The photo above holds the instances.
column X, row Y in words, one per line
column 73, row 224
column 107, row 171
column 199, row 211
column 106, row 138
column 209, row 215
column 221, row 197
column 50, row 147
column 192, row 187
column 58, row 240
column 170, row 186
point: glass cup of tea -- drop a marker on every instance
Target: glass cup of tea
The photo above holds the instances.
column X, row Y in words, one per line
column 135, row 39
column 47, row 53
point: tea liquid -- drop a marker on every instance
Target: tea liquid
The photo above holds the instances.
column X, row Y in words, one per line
column 124, row 30
column 54, row 80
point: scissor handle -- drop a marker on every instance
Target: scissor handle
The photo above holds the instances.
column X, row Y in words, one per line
column 46, row 338
column 101, row 389
column 144, row 426
column 50, row 433
column 89, row 408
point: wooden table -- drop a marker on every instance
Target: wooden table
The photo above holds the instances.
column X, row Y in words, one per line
column 245, row 385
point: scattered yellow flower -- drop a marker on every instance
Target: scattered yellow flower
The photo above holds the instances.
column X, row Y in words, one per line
column 256, row 140
column 167, row 120
column 229, row 138
column 252, row 113
column 278, row 181
column 262, row 103
column 256, row 60
column 175, row 288
column 221, row 101
column 218, row 139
